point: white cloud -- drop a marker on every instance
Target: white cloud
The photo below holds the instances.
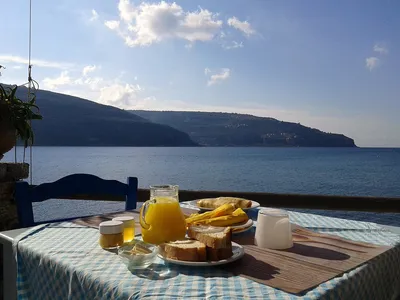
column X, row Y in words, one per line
column 381, row 49
column 115, row 91
column 35, row 62
column 244, row 26
column 228, row 42
column 88, row 83
column 372, row 63
column 53, row 83
column 146, row 23
column 218, row 77
column 127, row 11
column 122, row 95
column 88, row 69
column 113, row 25
column 233, row 45
column 94, row 16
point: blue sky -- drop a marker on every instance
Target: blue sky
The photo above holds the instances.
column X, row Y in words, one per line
column 332, row 65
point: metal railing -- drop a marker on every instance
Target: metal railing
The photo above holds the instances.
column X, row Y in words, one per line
column 324, row 202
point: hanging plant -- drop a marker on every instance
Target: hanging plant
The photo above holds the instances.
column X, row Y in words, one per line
column 16, row 116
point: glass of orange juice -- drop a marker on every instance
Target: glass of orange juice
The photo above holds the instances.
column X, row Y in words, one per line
column 161, row 217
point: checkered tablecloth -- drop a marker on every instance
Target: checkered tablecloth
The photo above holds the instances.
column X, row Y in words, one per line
column 64, row 261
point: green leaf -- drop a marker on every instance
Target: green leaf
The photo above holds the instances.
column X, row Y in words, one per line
column 13, row 91
column 20, row 112
column 32, row 105
column 36, row 117
column 3, row 93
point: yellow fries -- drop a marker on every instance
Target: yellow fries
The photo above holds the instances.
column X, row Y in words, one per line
column 222, row 216
column 223, row 210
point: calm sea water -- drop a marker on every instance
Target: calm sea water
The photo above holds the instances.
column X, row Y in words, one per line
column 342, row 171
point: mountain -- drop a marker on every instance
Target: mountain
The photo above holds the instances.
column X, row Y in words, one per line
column 72, row 121
column 230, row 129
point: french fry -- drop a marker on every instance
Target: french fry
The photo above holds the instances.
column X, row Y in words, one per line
column 223, row 210
column 237, row 216
column 191, row 216
column 239, row 212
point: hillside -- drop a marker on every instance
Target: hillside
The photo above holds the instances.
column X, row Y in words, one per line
column 228, row 129
column 72, row 121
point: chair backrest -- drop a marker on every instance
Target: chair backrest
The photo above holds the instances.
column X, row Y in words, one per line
column 71, row 185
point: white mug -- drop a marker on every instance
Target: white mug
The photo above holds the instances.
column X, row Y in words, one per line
column 273, row 230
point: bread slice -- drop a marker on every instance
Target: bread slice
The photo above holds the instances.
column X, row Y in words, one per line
column 213, row 237
column 218, row 254
column 187, row 250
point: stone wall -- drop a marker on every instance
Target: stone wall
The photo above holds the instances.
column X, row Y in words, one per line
column 9, row 174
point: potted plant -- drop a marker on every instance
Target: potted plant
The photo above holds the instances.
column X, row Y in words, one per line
column 15, row 118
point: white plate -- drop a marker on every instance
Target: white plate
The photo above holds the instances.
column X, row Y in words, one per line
column 193, row 204
column 237, row 250
column 238, row 228
column 243, row 227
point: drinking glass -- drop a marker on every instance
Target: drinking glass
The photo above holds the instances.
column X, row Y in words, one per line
column 273, row 230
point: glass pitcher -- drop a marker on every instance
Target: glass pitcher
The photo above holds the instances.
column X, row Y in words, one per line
column 161, row 217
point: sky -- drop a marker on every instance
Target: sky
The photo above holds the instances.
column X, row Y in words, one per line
column 332, row 65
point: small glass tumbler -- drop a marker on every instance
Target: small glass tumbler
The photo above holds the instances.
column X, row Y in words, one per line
column 273, row 229
column 129, row 227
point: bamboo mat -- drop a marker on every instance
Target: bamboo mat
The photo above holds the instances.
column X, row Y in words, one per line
column 305, row 265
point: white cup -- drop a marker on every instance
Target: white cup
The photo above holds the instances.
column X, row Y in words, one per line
column 273, row 229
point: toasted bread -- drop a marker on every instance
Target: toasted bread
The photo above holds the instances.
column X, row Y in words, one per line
column 213, row 237
column 187, row 250
column 217, row 202
column 218, row 254
column 207, row 243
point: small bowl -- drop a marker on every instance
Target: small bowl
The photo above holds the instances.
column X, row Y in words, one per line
column 137, row 261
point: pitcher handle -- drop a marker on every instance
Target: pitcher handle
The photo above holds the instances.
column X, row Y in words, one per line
column 142, row 215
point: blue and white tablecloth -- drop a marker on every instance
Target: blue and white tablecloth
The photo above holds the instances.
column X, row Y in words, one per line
column 64, row 261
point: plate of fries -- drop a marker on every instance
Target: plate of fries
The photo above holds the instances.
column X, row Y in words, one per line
column 224, row 216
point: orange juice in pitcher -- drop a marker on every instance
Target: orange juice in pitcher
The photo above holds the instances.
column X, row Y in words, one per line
column 161, row 217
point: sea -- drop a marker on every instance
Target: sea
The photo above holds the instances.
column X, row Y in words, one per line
column 327, row 171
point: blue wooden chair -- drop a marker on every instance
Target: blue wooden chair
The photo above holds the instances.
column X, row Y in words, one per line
column 72, row 185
